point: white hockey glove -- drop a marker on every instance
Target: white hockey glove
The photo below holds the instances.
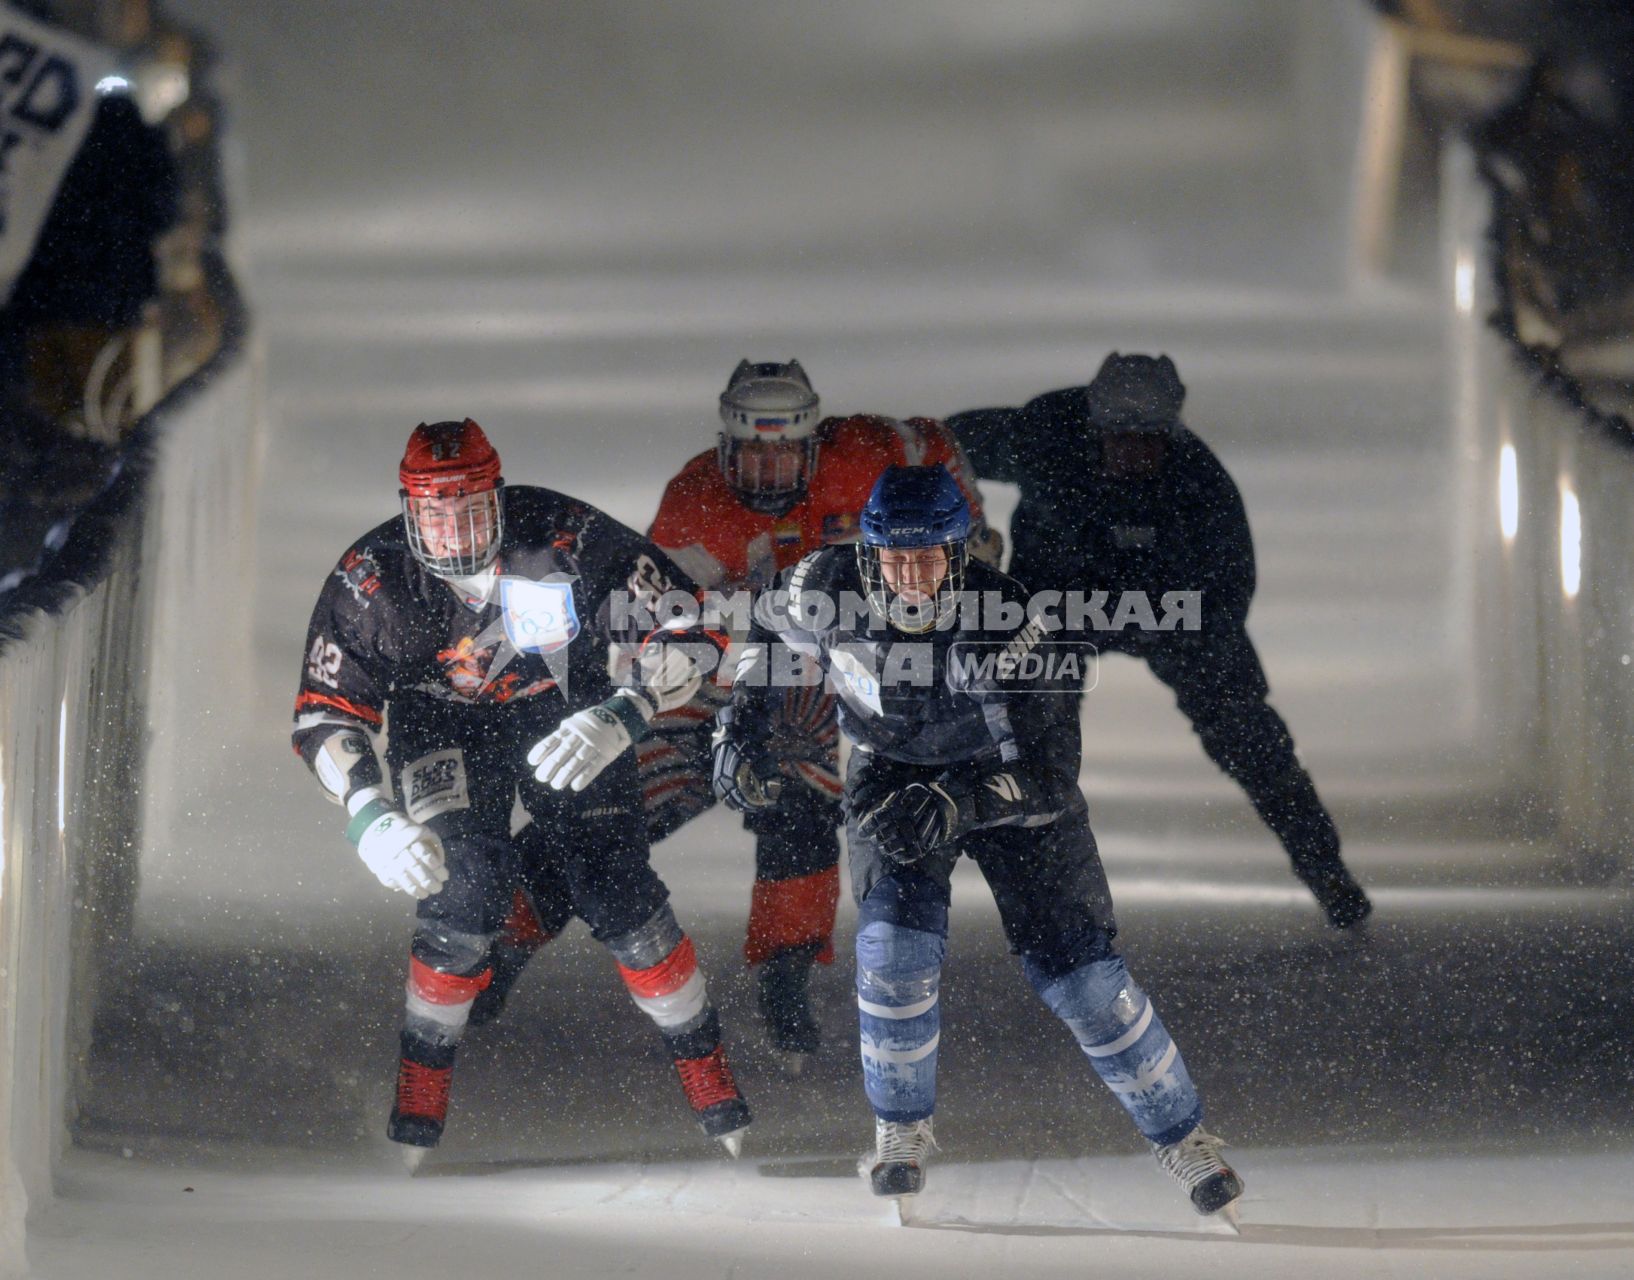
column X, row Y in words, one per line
column 401, row 853
column 574, row 753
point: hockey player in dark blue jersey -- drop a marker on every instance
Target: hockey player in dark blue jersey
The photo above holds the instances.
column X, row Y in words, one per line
column 960, row 746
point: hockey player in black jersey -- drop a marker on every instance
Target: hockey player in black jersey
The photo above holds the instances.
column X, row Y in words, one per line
column 479, row 622
column 1116, row 494
column 956, row 752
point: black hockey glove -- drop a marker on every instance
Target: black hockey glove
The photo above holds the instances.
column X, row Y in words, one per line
column 914, row 821
column 1002, row 796
column 744, row 777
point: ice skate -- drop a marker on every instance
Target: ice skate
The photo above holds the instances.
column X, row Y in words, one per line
column 1194, row 1162
column 896, row 1165
column 715, row 1100
column 421, row 1109
column 1344, row 903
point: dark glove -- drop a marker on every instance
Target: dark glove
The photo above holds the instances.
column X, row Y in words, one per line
column 912, row 822
column 1002, row 796
column 744, row 777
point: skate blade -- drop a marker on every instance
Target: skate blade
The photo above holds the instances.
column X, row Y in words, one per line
column 413, row 1157
column 906, row 1210
column 1225, row 1220
column 733, row 1142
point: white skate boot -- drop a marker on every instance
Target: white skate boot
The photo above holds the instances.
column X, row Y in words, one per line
column 1194, row 1162
column 896, row 1166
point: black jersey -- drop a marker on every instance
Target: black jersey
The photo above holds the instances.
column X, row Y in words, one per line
column 1105, row 508
column 949, row 698
column 564, row 588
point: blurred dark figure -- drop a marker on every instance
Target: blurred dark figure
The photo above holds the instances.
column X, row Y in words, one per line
column 45, row 478
column 1562, row 151
column 1117, row 495
column 93, row 267
column 1566, row 158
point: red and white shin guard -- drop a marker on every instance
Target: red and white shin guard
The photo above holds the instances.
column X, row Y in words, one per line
column 436, row 1008
column 674, row 994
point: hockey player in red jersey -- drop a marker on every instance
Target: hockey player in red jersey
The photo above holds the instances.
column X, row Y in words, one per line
column 780, row 481
column 479, row 620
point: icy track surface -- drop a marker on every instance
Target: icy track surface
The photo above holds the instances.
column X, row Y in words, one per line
column 572, row 233
column 803, row 1219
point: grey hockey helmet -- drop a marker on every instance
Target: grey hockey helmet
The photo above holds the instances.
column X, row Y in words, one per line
column 768, row 439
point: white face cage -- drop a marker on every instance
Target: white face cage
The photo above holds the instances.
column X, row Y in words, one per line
column 768, row 475
column 938, row 610
column 457, row 536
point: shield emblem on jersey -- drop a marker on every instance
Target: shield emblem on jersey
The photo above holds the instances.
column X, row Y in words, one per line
column 856, row 679
column 539, row 616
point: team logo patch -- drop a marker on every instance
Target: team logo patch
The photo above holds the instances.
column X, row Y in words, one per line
column 841, row 528
column 539, row 616
column 435, row 784
column 787, row 535
column 1004, row 786
column 361, row 575
column 857, row 680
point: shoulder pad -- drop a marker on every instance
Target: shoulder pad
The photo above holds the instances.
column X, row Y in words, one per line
column 849, row 461
column 699, row 506
column 820, row 570
column 701, row 473
column 801, row 575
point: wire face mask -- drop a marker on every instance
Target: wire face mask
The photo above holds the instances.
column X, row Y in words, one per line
column 767, row 447
column 915, row 589
column 912, row 557
column 453, row 515
column 455, row 536
column 769, row 475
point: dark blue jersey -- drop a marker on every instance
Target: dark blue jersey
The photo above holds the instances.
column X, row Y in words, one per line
column 972, row 697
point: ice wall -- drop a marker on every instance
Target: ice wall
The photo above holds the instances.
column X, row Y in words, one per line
column 1546, row 527
column 93, row 719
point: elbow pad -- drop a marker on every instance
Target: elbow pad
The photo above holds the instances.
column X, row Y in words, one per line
column 670, row 673
column 343, row 762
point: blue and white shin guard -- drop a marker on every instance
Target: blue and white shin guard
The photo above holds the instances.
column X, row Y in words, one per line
column 899, row 972
column 1116, row 1026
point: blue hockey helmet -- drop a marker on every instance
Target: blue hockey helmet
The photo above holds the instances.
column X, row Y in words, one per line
column 914, row 508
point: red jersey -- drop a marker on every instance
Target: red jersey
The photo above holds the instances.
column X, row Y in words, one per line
column 723, row 545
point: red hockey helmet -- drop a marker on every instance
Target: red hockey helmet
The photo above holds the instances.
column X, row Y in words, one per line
column 451, row 504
